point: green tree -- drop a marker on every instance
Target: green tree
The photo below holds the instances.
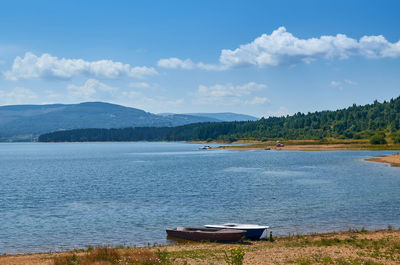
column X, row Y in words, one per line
column 378, row 138
column 395, row 137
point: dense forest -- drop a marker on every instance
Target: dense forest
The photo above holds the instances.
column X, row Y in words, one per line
column 375, row 121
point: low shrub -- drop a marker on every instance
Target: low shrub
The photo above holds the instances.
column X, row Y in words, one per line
column 234, row 256
column 378, row 138
column 395, row 137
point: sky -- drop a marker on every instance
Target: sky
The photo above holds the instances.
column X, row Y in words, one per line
column 262, row 58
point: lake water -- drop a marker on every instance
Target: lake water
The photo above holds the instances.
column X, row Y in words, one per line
column 70, row 195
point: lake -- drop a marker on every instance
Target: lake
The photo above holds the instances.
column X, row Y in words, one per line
column 59, row 196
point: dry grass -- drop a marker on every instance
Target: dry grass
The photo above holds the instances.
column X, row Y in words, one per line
column 355, row 247
column 113, row 256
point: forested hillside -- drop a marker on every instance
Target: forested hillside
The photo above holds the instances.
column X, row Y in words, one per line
column 355, row 122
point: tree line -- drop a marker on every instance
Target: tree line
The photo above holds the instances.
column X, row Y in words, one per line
column 355, row 122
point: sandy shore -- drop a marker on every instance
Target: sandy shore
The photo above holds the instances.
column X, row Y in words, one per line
column 319, row 147
column 352, row 247
column 310, row 145
column 393, row 159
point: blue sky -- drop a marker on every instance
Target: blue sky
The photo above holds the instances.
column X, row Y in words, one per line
column 255, row 57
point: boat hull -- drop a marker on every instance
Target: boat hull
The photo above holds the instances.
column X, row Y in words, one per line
column 206, row 234
column 254, row 232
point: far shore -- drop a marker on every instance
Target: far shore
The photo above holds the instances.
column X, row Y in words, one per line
column 308, row 145
column 356, row 246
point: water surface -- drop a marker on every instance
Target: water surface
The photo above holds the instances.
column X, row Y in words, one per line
column 71, row 195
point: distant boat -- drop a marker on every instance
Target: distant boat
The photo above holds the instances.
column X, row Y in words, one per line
column 252, row 231
column 268, row 148
column 206, row 147
column 206, row 234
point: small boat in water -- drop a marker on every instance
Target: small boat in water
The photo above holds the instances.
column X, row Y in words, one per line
column 252, row 231
column 206, row 147
column 206, row 234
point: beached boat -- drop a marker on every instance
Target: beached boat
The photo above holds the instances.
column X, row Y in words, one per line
column 252, row 231
column 206, row 234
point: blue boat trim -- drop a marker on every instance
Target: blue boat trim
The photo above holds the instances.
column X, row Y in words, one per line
column 252, row 231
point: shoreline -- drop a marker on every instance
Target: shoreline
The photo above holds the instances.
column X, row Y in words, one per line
column 394, row 160
column 289, row 145
column 310, row 145
column 353, row 246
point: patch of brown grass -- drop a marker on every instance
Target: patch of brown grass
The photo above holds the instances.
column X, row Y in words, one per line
column 142, row 256
column 110, row 256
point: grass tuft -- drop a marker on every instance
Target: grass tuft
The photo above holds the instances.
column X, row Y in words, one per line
column 111, row 256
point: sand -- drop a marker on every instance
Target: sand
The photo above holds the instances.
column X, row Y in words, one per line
column 313, row 147
column 394, row 160
column 310, row 145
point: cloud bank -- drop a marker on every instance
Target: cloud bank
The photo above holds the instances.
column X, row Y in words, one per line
column 283, row 48
column 340, row 84
column 17, row 95
column 176, row 63
column 89, row 88
column 228, row 94
column 187, row 64
column 48, row 66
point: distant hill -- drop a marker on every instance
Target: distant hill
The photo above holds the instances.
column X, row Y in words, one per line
column 373, row 121
column 221, row 116
column 23, row 122
column 226, row 116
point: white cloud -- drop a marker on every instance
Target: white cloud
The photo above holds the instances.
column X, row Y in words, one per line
column 89, row 89
column 335, row 83
column 229, row 94
column 350, row 82
column 51, row 95
column 141, row 101
column 257, row 101
column 340, row 84
column 141, row 72
column 176, row 63
column 187, row 64
column 132, row 94
column 18, row 95
column 48, row 66
column 95, row 90
column 282, row 48
column 212, row 67
column 139, row 85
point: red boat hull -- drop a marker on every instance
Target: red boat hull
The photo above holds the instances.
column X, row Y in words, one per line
column 206, row 234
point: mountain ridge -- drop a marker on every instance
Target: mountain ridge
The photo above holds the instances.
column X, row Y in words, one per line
column 222, row 116
column 24, row 122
